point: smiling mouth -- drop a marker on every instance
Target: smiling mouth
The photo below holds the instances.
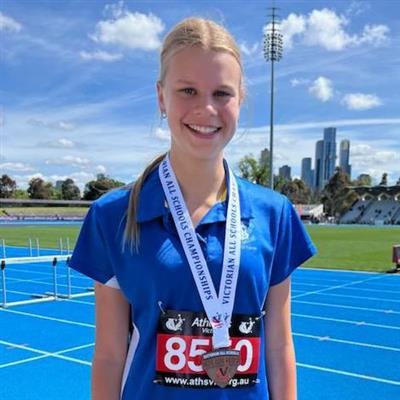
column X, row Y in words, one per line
column 205, row 130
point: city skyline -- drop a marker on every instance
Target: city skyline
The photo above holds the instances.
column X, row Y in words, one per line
column 77, row 101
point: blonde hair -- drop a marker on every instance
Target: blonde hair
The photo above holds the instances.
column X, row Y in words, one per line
column 191, row 32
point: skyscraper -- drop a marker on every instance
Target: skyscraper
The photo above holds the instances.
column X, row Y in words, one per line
column 307, row 172
column 319, row 165
column 344, row 157
column 285, row 172
column 329, row 154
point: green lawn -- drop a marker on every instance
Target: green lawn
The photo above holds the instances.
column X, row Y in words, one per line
column 62, row 211
column 48, row 235
column 352, row 247
column 347, row 247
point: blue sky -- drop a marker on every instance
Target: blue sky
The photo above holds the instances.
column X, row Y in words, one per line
column 77, row 83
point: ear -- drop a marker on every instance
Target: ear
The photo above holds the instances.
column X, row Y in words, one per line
column 160, row 97
column 242, row 95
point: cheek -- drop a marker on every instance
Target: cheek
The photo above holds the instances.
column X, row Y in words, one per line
column 232, row 111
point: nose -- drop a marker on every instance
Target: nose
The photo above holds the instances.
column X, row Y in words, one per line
column 206, row 105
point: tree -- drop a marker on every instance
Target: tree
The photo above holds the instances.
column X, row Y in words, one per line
column 337, row 197
column 39, row 189
column 384, row 179
column 363, row 180
column 69, row 191
column 7, row 187
column 256, row 171
column 21, row 194
column 101, row 185
column 297, row 191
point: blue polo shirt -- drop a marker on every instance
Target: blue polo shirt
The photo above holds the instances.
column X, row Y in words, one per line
column 158, row 277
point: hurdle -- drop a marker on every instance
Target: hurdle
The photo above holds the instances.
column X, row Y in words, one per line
column 44, row 296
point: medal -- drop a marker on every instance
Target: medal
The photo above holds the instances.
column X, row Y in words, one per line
column 220, row 364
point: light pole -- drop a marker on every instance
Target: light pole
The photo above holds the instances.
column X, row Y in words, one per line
column 273, row 47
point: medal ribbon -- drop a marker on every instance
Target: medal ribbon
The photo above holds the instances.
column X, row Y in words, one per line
column 217, row 307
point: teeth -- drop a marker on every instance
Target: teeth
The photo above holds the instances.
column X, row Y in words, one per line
column 204, row 129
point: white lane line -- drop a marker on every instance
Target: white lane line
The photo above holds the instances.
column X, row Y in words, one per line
column 309, row 284
column 373, row 290
column 316, row 303
column 347, row 321
column 362, row 344
column 347, row 373
column 91, row 303
column 307, row 279
column 337, row 286
column 358, row 297
column 39, row 282
column 388, row 285
column 44, row 354
column 310, row 281
column 327, row 270
column 64, row 321
column 350, row 288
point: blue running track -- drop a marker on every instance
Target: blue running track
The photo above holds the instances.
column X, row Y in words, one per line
column 346, row 329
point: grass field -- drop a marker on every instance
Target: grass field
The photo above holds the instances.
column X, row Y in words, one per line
column 62, row 211
column 339, row 247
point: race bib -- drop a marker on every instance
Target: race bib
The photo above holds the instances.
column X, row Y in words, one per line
column 183, row 337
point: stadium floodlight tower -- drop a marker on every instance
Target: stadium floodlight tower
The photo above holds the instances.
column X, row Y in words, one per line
column 273, row 48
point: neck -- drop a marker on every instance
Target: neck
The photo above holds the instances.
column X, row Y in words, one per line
column 201, row 181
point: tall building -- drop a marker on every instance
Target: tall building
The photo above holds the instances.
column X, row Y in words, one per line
column 319, row 165
column 306, row 172
column 344, row 157
column 264, row 157
column 285, row 172
column 329, row 154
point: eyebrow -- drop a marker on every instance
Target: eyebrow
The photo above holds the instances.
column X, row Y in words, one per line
column 186, row 82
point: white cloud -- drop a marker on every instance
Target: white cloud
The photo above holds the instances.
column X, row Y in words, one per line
column 375, row 161
column 322, row 89
column 360, row 101
column 127, row 29
column 19, row 167
column 162, row 134
column 249, row 50
column 357, row 7
column 299, row 82
column 291, row 26
column 376, row 35
column 68, row 160
column 65, row 126
column 327, row 29
column 100, row 56
column 59, row 144
column 100, row 169
column 9, row 24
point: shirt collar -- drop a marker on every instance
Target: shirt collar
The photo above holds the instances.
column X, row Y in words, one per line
column 152, row 202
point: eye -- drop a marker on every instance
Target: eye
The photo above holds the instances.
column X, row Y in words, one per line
column 189, row 91
column 221, row 93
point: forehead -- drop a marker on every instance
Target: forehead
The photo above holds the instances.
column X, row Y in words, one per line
column 201, row 66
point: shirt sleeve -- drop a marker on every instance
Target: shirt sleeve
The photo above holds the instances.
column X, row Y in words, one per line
column 293, row 245
column 91, row 255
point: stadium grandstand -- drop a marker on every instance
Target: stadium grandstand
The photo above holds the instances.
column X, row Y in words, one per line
column 26, row 209
column 377, row 205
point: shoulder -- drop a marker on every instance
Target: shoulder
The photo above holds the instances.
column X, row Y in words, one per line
column 260, row 197
column 113, row 202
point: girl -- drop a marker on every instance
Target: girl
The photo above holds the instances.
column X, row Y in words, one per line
column 192, row 263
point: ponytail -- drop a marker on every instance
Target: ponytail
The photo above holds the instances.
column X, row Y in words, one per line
column 132, row 228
